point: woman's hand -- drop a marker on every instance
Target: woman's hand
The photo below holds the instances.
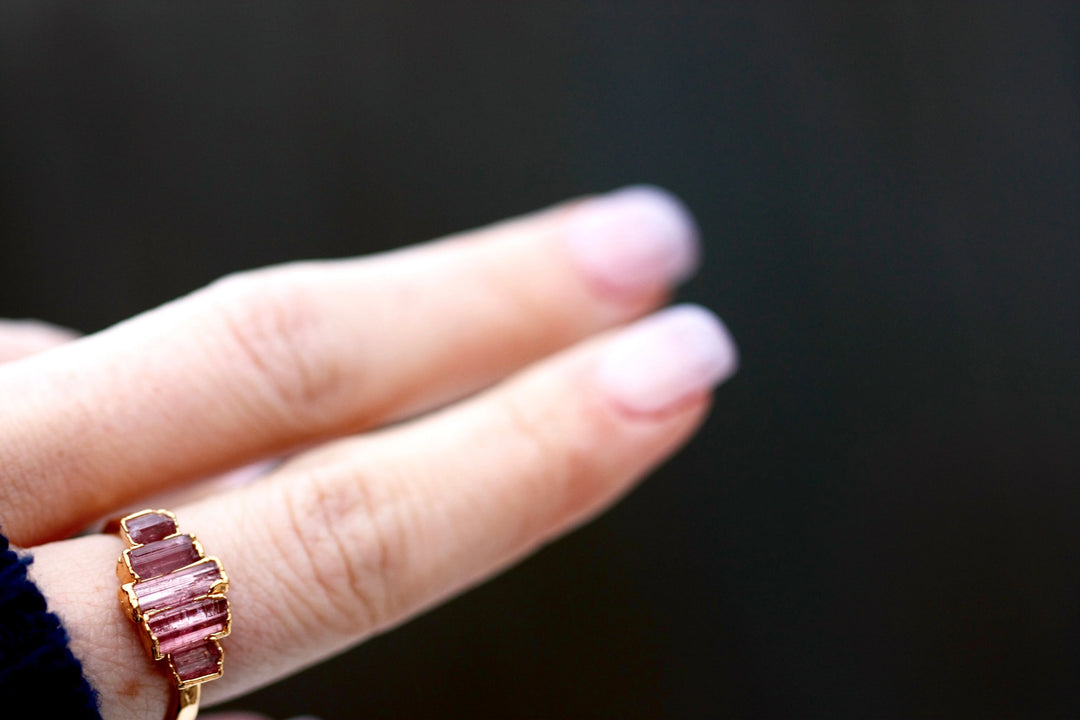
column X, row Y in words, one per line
column 443, row 409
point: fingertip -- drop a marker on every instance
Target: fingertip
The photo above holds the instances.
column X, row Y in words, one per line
column 667, row 358
column 634, row 239
column 22, row 338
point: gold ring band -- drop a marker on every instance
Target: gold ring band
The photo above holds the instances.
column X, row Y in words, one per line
column 175, row 595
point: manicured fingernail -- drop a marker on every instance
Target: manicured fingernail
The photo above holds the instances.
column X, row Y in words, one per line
column 667, row 358
column 637, row 238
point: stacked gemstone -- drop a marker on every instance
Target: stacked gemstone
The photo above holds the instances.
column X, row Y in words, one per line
column 176, row 594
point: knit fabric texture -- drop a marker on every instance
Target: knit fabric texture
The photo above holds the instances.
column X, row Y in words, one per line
column 37, row 668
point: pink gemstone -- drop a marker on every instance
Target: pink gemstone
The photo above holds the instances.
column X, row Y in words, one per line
column 178, row 587
column 162, row 556
column 190, row 624
column 149, row 527
column 198, row 661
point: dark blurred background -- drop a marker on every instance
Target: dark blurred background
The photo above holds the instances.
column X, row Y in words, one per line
column 880, row 519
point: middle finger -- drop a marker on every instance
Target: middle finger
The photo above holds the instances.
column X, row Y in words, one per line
column 270, row 360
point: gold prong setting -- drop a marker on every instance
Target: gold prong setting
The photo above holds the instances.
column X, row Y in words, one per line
column 175, row 594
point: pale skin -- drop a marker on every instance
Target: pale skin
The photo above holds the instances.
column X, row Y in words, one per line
column 440, row 412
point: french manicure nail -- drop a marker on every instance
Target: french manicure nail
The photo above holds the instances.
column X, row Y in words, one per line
column 637, row 238
column 667, row 358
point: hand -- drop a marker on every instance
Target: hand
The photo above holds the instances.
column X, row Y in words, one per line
column 443, row 411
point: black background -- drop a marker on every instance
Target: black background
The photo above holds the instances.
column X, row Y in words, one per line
column 880, row 517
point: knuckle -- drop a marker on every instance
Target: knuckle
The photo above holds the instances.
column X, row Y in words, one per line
column 269, row 325
column 351, row 539
column 529, row 425
column 520, row 303
column 558, row 446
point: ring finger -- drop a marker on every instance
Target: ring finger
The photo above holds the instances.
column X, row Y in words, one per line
column 356, row 536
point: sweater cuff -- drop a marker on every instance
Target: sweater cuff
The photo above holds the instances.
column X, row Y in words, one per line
column 36, row 665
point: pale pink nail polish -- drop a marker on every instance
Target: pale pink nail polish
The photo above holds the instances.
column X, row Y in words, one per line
column 634, row 239
column 667, row 358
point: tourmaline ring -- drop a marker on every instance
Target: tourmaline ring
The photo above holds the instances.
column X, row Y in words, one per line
column 175, row 595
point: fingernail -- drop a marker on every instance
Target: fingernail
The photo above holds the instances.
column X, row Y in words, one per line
column 667, row 358
column 637, row 238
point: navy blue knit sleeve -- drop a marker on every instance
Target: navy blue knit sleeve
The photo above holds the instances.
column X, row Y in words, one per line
column 36, row 666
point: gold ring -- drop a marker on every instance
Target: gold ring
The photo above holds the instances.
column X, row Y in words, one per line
column 175, row 595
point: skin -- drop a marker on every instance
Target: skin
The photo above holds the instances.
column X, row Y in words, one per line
column 439, row 414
